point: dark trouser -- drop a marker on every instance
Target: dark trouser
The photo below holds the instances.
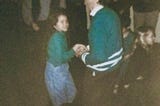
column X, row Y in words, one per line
column 122, row 73
column 145, row 19
column 97, row 90
column 138, row 94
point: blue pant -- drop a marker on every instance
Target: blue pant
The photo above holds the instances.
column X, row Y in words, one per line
column 60, row 84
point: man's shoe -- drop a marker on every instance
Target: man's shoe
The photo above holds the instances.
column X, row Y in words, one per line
column 35, row 27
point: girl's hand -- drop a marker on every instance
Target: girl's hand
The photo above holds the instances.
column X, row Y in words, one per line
column 79, row 49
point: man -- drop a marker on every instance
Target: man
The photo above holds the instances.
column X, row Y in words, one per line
column 104, row 55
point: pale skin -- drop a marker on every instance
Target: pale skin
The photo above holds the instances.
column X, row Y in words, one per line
column 62, row 25
column 90, row 4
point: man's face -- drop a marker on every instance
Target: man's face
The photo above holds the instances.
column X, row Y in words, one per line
column 149, row 39
column 90, row 4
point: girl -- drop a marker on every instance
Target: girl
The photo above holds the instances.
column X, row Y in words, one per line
column 58, row 79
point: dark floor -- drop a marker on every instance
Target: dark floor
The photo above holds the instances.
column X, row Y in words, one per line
column 22, row 63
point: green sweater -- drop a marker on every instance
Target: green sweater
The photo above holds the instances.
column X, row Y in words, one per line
column 105, row 41
column 58, row 52
column 128, row 43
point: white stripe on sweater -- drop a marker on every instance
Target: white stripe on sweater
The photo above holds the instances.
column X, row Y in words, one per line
column 116, row 54
column 106, row 68
column 83, row 57
column 110, row 61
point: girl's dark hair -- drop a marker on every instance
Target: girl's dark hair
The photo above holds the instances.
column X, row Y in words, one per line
column 53, row 18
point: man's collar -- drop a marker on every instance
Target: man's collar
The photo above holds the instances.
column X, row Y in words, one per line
column 96, row 9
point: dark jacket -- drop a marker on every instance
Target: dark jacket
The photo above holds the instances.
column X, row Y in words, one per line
column 145, row 5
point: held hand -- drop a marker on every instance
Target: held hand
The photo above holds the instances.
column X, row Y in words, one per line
column 76, row 47
column 79, row 49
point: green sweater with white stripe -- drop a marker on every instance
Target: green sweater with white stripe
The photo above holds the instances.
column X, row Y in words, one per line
column 105, row 41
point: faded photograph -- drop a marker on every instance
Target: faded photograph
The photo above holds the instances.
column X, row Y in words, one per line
column 79, row 52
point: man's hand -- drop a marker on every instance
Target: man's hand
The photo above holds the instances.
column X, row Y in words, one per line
column 79, row 49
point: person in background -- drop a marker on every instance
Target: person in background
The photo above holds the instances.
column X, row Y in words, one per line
column 129, row 39
column 45, row 8
column 157, row 31
column 145, row 13
column 43, row 15
column 122, row 7
column 140, row 71
column 145, row 42
column 27, row 15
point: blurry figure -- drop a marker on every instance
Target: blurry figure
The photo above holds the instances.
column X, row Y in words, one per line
column 129, row 38
column 27, row 14
column 122, row 7
column 145, row 13
column 45, row 8
column 88, row 18
column 43, row 15
column 158, row 30
column 139, row 73
column 141, row 57
column 62, row 4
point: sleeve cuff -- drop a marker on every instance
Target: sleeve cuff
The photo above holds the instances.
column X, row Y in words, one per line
column 83, row 57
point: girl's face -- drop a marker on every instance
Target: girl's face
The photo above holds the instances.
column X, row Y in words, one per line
column 149, row 39
column 62, row 24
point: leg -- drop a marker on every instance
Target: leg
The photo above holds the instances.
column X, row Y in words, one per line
column 151, row 19
column 138, row 19
column 27, row 11
column 132, row 20
column 121, row 76
column 27, row 14
column 97, row 90
column 88, row 18
column 60, row 84
column 157, row 30
column 44, row 9
column 62, row 4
